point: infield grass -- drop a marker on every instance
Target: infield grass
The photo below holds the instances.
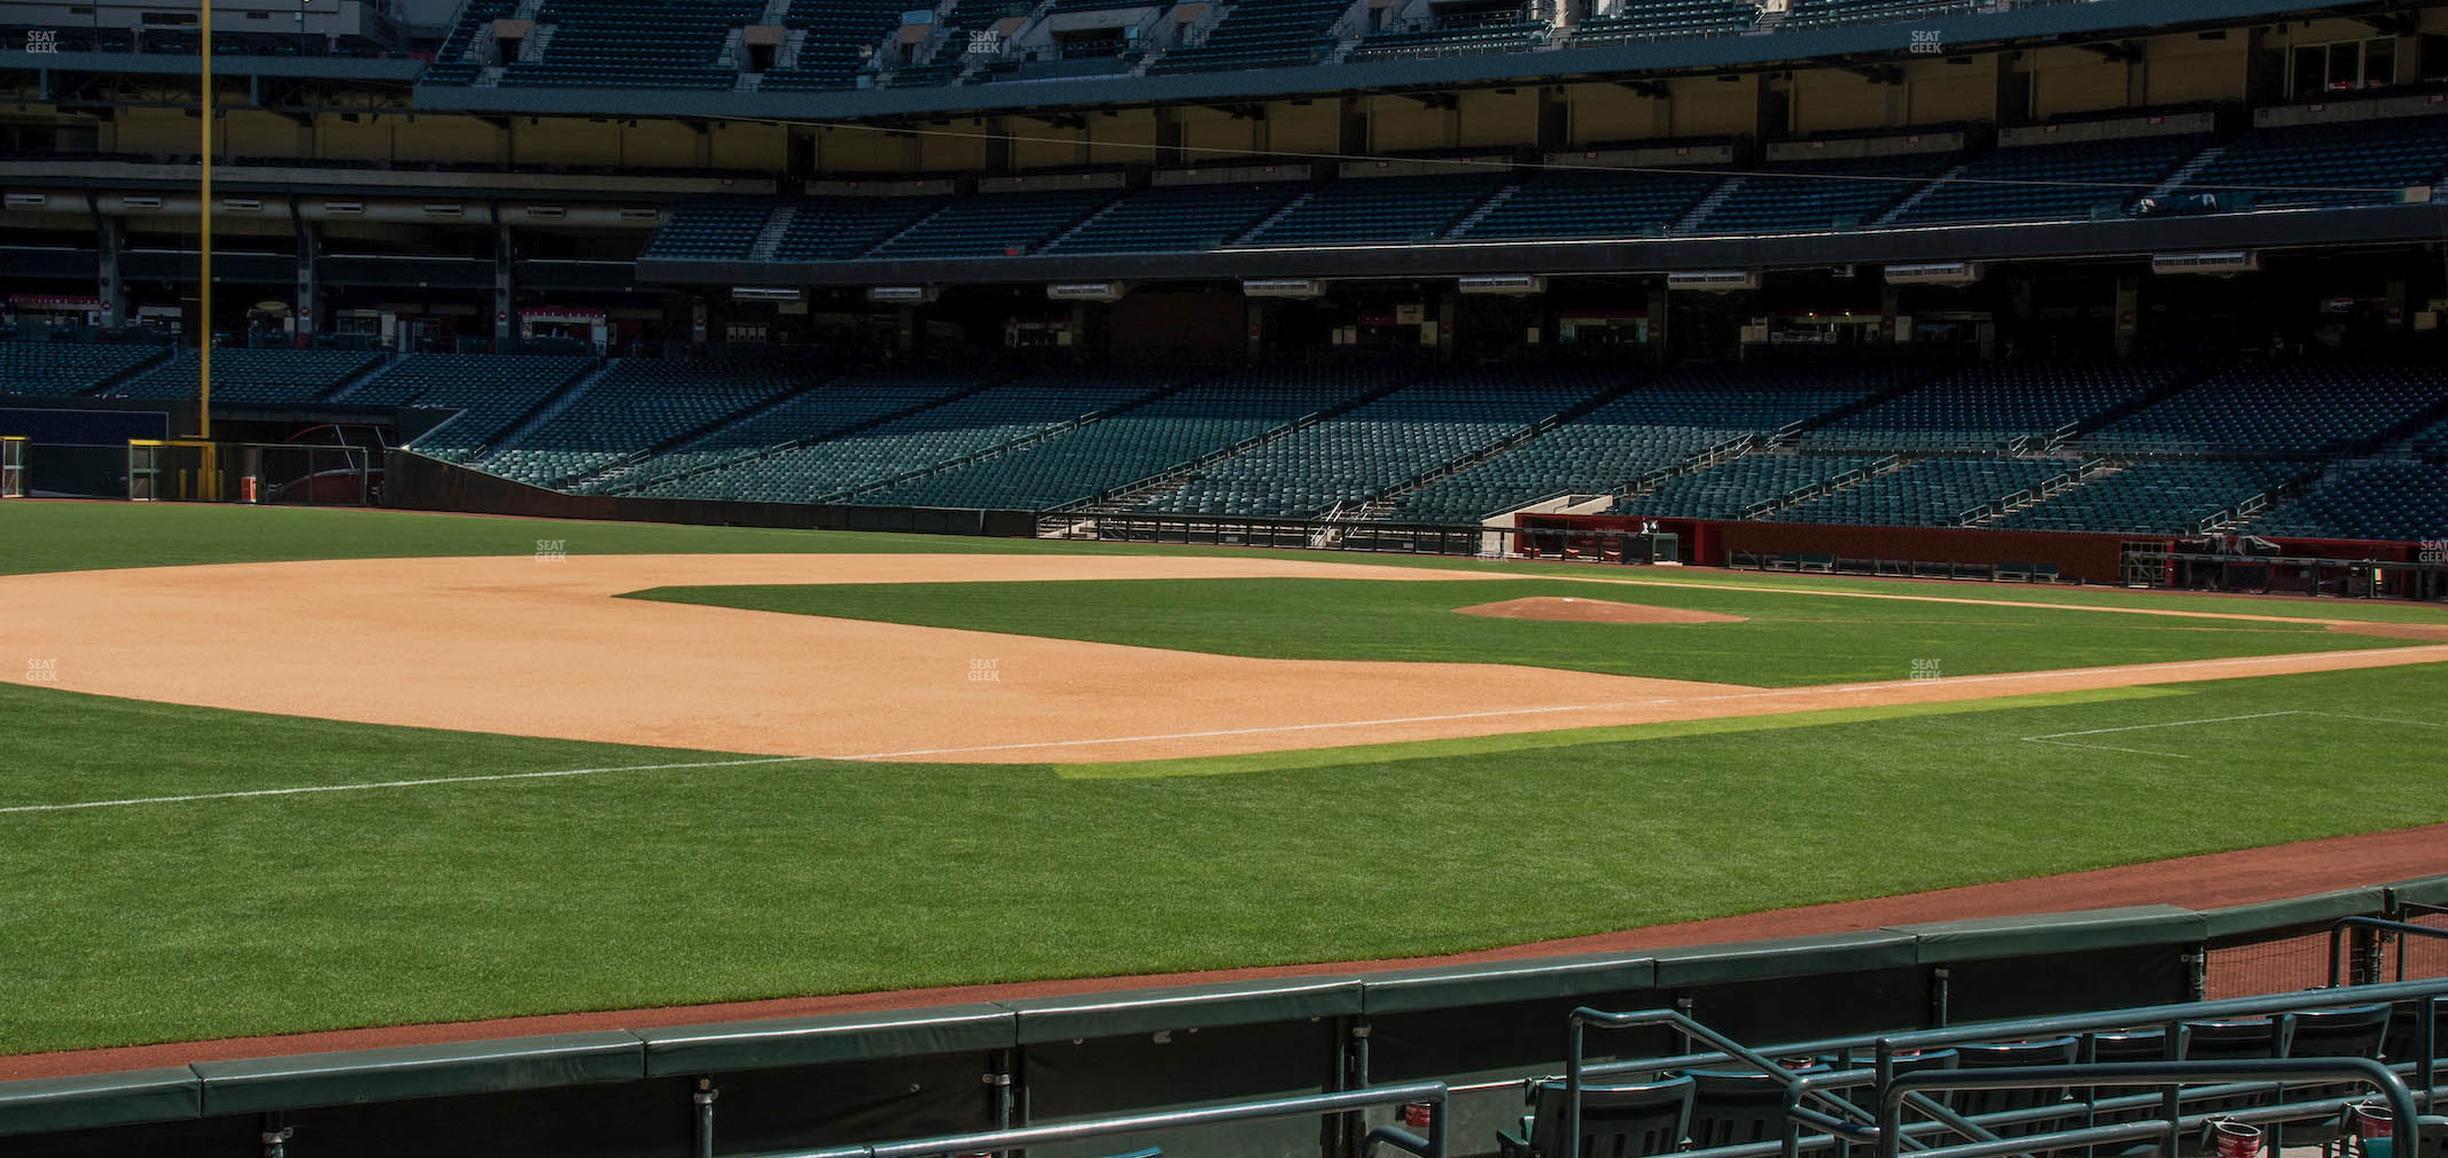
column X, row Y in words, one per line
column 1789, row 639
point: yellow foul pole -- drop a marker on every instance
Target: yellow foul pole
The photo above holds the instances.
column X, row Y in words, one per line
column 204, row 276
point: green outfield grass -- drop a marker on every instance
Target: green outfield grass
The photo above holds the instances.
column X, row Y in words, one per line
column 460, row 900
column 457, row 875
column 1788, row 640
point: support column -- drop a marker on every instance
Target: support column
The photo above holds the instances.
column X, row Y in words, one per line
column 1661, row 308
column 1448, row 312
column 2128, row 312
column 111, row 283
column 1256, row 349
column 308, row 314
column 505, row 323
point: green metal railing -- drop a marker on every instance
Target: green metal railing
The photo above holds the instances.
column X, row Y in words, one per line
column 1430, row 1144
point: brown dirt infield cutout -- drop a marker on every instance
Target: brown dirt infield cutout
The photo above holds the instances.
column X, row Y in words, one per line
column 1568, row 609
column 529, row 647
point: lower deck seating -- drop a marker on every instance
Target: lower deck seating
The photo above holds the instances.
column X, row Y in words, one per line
column 1730, row 489
column 247, row 376
column 637, row 404
column 2300, row 409
column 63, row 368
column 966, row 425
column 489, row 392
column 1127, row 447
column 826, row 411
column 1931, row 492
column 1358, row 454
column 1649, row 429
column 2385, row 501
column 1988, row 407
column 2154, row 497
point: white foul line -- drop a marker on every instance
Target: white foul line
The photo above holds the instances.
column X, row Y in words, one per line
column 371, row 786
column 1555, row 709
column 2058, row 738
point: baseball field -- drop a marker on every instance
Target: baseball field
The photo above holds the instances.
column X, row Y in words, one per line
column 278, row 771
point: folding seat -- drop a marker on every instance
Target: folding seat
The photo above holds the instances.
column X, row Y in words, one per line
column 1617, row 1121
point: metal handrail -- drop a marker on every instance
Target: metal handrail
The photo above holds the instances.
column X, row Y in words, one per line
column 1796, row 1087
column 2170, row 1075
column 1429, row 1145
column 2337, row 937
column 2018, row 1029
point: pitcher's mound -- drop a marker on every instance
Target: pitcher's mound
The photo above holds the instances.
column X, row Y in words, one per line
column 1567, row 609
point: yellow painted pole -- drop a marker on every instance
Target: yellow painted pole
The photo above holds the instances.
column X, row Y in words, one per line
column 204, row 277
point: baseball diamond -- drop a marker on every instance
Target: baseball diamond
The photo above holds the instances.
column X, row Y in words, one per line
column 1224, row 579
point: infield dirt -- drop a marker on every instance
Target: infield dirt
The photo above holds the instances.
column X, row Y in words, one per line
column 536, row 647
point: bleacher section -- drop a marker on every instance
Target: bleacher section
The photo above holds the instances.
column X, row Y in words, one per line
column 637, row 403
column 2071, row 182
column 1932, row 492
column 1988, row 408
column 1259, row 34
column 490, row 392
column 2156, row 496
column 1729, row 489
column 63, row 368
column 1386, row 442
column 2300, row 410
column 1135, row 444
column 965, row 426
column 634, row 44
column 2324, row 165
column 1653, row 428
column 245, row 376
column 2381, row 500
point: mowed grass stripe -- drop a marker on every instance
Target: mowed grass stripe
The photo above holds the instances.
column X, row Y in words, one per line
column 461, row 901
column 1787, row 642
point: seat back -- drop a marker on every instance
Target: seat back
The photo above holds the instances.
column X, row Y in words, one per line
column 1731, row 1107
column 1617, row 1121
column 1999, row 1055
column 2356, row 1031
